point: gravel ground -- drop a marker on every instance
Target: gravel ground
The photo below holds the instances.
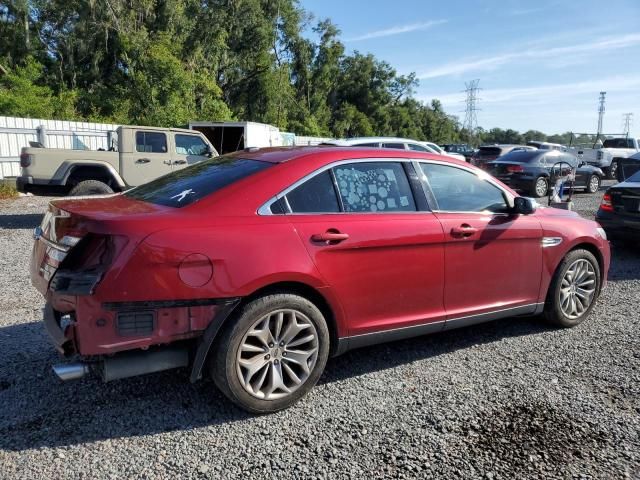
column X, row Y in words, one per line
column 508, row 399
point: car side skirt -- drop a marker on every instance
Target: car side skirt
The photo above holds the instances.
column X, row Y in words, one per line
column 356, row 341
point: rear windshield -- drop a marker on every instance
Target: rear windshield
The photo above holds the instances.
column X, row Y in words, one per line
column 634, row 178
column 188, row 185
column 618, row 143
column 482, row 151
column 522, row 156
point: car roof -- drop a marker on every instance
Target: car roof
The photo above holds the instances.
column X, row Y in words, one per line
column 333, row 153
column 359, row 140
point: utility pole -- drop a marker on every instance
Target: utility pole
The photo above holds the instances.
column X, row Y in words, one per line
column 627, row 120
column 471, row 100
column 600, row 113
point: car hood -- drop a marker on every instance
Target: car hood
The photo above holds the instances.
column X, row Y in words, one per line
column 556, row 212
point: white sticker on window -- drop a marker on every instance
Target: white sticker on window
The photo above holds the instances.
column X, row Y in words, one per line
column 404, row 201
column 373, row 189
column 391, row 202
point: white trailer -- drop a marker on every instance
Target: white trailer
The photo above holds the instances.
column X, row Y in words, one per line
column 232, row 136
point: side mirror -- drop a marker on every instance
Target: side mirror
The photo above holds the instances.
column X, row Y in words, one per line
column 581, row 164
column 209, row 152
column 524, row 205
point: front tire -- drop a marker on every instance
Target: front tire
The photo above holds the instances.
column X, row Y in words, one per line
column 272, row 353
column 573, row 290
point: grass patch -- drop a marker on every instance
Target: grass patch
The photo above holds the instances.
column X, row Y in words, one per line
column 7, row 190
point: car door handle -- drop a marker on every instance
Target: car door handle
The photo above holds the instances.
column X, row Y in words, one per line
column 179, row 162
column 167, row 162
column 330, row 237
column 143, row 160
column 465, row 230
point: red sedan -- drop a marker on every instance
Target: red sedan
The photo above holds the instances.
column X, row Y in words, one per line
column 259, row 265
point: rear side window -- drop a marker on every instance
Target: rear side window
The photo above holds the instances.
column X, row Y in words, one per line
column 398, row 146
column 316, row 195
column 151, row 142
column 375, row 145
column 188, row 185
column 374, row 187
column 489, row 151
column 417, row 148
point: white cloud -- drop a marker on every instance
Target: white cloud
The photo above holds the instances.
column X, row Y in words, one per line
column 397, row 30
column 544, row 93
column 492, row 62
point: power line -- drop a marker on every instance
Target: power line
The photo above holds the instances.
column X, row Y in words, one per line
column 627, row 120
column 471, row 100
column 601, row 112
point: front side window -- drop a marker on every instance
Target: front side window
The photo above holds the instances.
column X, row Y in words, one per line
column 458, row 190
column 316, row 195
column 374, row 187
column 151, row 142
column 191, row 145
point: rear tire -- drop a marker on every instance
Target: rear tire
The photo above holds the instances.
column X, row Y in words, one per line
column 574, row 289
column 593, row 185
column 90, row 187
column 540, row 187
column 612, row 172
column 271, row 354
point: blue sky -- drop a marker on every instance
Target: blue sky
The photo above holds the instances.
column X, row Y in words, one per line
column 540, row 63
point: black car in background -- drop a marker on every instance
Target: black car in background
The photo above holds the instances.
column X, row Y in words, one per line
column 619, row 212
column 461, row 148
column 532, row 171
column 487, row 153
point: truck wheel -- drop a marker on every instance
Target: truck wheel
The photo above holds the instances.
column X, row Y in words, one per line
column 612, row 172
column 540, row 188
column 90, row 187
column 573, row 290
column 271, row 354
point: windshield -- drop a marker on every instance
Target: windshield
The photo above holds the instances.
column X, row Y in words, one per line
column 188, row 185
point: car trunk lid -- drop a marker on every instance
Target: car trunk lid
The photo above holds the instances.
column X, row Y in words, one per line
column 84, row 235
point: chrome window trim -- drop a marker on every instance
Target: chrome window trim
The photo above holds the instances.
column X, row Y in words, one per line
column 265, row 209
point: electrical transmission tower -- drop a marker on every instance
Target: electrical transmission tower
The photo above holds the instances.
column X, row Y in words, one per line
column 601, row 112
column 627, row 120
column 471, row 100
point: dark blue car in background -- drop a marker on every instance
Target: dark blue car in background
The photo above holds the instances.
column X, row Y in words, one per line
column 533, row 171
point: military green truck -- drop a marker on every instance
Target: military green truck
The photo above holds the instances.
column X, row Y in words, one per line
column 138, row 155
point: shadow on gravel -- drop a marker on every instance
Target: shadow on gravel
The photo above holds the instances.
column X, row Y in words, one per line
column 625, row 263
column 21, row 221
column 40, row 411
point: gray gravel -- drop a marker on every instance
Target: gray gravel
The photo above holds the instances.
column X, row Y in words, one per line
column 509, row 399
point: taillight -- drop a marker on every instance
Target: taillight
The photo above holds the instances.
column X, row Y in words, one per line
column 515, row 168
column 25, row 160
column 606, row 205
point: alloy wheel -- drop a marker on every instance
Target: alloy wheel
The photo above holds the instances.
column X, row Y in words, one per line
column 277, row 354
column 594, row 184
column 577, row 289
column 541, row 187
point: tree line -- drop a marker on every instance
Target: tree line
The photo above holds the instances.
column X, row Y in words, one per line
column 166, row 62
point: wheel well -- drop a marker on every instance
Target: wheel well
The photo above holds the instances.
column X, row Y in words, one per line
column 308, row 292
column 590, row 247
column 92, row 172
